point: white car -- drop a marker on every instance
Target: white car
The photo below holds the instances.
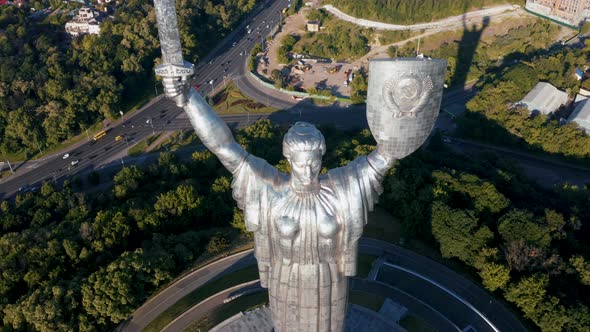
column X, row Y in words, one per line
column 66, row 156
column 75, row 162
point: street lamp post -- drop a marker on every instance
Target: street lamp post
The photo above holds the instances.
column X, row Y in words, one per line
column 8, row 161
column 38, row 147
column 151, row 121
column 156, row 88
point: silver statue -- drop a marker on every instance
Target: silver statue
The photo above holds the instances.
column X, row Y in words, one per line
column 307, row 226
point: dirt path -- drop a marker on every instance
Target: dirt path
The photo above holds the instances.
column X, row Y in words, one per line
column 381, row 51
column 443, row 24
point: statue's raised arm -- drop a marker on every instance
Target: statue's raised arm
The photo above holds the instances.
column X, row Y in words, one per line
column 211, row 129
column 175, row 73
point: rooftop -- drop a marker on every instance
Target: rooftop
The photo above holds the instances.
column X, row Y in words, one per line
column 544, row 98
column 581, row 115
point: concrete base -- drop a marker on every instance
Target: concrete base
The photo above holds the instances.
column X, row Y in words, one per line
column 358, row 319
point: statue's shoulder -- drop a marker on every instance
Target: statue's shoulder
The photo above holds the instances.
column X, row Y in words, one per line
column 351, row 169
column 262, row 170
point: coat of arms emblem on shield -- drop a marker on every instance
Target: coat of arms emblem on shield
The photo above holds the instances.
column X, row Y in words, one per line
column 403, row 101
column 407, row 94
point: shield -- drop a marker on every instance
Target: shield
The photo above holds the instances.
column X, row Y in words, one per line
column 403, row 102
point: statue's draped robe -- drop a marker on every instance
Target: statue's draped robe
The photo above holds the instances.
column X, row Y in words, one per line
column 306, row 243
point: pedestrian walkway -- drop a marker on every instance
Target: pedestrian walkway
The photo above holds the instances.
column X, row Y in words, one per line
column 443, row 24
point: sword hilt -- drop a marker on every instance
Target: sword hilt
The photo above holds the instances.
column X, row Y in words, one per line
column 173, row 65
column 183, row 73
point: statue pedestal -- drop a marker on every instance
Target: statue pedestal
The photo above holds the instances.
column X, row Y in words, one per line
column 358, row 319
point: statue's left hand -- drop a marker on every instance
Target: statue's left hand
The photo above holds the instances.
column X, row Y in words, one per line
column 175, row 89
column 381, row 160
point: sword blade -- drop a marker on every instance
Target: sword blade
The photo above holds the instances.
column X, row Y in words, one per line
column 168, row 32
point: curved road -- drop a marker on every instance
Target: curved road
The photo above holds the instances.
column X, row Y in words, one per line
column 434, row 305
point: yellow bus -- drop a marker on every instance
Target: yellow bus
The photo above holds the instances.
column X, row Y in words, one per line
column 99, row 135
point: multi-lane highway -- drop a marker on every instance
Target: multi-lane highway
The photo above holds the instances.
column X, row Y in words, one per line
column 224, row 61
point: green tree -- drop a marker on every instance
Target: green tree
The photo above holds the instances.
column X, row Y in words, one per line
column 520, row 225
column 176, row 208
column 109, row 230
column 127, row 181
column 494, row 276
column 582, row 268
column 457, row 232
column 113, row 292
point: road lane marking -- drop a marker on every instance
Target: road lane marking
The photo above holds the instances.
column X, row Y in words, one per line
column 469, row 305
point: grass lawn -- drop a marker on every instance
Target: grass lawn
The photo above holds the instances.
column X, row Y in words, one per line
column 415, row 324
column 364, row 264
column 231, row 101
column 6, row 172
column 140, row 147
column 211, row 288
column 179, row 140
column 244, row 303
column 367, row 300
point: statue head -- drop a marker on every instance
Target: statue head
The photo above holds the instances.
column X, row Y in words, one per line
column 304, row 146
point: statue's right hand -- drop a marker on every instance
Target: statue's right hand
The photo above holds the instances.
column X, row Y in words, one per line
column 174, row 88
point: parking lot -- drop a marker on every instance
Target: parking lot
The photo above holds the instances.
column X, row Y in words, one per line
column 305, row 74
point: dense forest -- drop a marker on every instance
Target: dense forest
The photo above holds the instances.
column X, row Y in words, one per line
column 410, row 11
column 51, row 88
column 492, row 116
column 525, row 243
column 84, row 261
column 72, row 261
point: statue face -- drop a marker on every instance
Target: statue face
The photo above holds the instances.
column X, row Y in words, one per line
column 305, row 166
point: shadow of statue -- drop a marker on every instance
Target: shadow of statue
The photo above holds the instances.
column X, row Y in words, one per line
column 466, row 50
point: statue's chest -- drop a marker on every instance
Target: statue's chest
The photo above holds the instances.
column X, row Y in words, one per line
column 306, row 216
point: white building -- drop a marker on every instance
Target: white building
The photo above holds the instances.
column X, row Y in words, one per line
column 569, row 12
column 581, row 115
column 544, row 98
column 84, row 23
